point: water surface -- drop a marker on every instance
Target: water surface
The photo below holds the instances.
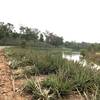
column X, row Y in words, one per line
column 75, row 56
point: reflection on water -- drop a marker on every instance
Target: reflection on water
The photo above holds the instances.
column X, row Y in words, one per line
column 76, row 57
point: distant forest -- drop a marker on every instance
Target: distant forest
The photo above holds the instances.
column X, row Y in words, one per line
column 34, row 37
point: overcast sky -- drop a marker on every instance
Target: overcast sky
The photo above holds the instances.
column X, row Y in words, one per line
column 77, row 20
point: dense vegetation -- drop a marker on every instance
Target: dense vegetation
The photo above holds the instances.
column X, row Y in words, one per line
column 27, row 36
column 63, row 77
column 83, row 45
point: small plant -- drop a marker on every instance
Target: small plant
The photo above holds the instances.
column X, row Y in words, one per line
column 37, row 91
column 59, row 86
column 14, row 64
column 30, row 71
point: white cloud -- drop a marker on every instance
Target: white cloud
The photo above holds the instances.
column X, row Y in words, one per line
column 77, row 20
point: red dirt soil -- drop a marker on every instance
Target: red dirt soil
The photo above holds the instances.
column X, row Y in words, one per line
column 6, row 84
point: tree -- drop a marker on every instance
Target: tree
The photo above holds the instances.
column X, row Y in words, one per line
column 29, row 33
column 22, row 29
column 5, row 30
column 53, row 39
column 41, row 38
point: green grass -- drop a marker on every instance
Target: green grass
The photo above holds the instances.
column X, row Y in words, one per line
column 45, row 61
column 73, row 77
column 38, row 93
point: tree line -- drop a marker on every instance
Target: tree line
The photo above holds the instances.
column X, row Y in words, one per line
column 82, row 46
column 34, row 37
column 9, row 36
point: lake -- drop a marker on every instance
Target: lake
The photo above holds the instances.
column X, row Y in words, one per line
column 76, row 57
column 73, row 56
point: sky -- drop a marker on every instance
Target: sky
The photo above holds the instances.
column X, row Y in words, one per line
column 75, row 20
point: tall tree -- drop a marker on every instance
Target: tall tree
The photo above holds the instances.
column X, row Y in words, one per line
column 53, row 39
column 29, row 33
column 41, row 38
column 6, row 30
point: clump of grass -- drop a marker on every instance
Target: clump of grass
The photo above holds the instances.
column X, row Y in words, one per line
column 37, row 91
column 59, row 86
column 31, row 71
column 46, row 62
column 21, row 59
column 73, row 77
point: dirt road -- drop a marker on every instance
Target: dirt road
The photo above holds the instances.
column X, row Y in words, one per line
column 6, row 83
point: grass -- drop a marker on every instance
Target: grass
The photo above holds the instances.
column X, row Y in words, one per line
column 37, row 91
column 73, row 77
column 43, row 61
column 64, row 77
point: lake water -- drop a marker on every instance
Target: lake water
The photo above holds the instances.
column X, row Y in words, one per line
column 76, row 57
column 73, row 56
column 3, row 47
